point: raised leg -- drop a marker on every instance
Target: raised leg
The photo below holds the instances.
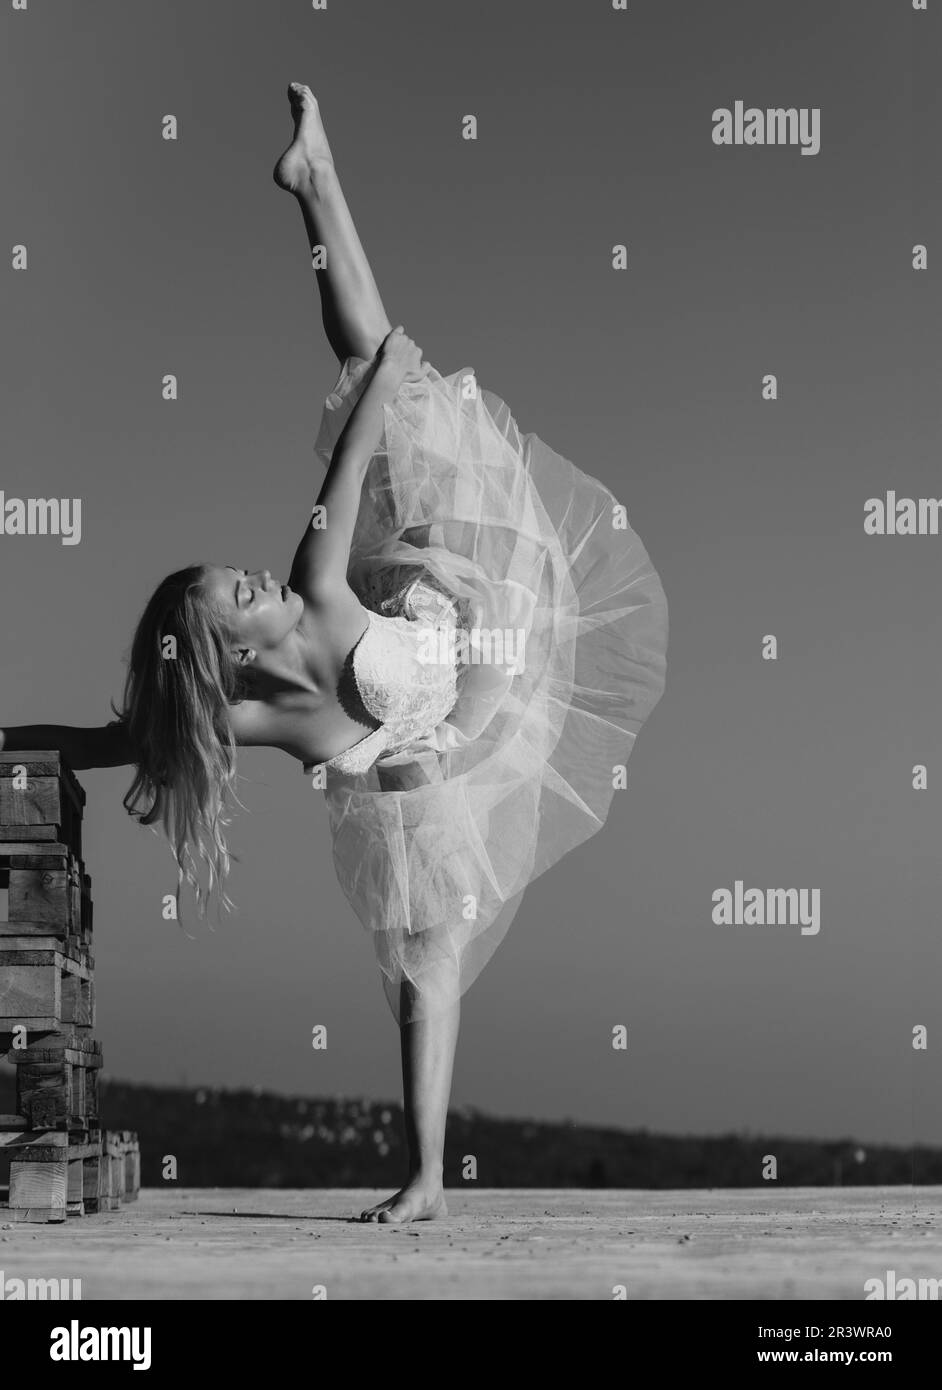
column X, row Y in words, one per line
column 354, row 318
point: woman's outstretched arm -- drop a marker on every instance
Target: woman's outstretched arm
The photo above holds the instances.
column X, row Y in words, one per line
column 106, row 745
column 321, row 562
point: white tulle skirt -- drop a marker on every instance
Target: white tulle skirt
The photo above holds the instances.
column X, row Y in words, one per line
column 434, row 848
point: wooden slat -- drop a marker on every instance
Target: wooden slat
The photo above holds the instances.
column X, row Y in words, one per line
column 65, row 956
column 40, row 895
column 40, row 802
column 49, row 1108
column 81, row 1053
column 76, row 907
column 91, row 1180
column 52, row 1146
column 39, row 762
column 37, row 1028
column 9, row 942
column 44, row 1093
column 132, row 1171
column 91, row 1149
column 40, row 1189
column 43, row 762
column 78, row 1000
column 36, row 1214
column 52, row 1041
column 27, row 832
column 118, row 1175
column 13, row 1139
column 32, row 846
column 75, row 1188
column 88, row 905
column 53, row 861
column 55, row 957
column 30, row 993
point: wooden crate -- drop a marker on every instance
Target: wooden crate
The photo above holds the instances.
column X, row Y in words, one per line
column 123, row 1151
column 57, row 1081
column 54, row 1175
column 60, row 1162
column 47, row 1172
column 48, row 897
column 113, row 1177
column 43, row 989
column 40, row 800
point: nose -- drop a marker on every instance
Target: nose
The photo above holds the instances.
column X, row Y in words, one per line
column 266, row 578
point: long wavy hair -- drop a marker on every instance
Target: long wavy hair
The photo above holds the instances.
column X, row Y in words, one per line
column 181, row 679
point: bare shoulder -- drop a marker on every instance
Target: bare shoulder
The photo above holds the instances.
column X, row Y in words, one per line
column 334, row 618
column 257, row 724
column 253, row 723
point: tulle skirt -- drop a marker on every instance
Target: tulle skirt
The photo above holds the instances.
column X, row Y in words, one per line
column 435, row 844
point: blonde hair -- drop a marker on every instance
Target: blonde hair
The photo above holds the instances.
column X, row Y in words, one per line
column 181, row 679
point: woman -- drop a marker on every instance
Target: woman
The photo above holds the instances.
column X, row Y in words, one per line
column 468, row 643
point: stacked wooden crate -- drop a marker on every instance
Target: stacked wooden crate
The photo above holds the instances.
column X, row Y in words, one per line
column 54, row 1155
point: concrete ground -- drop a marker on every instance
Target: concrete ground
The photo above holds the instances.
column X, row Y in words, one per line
column 773, row 1243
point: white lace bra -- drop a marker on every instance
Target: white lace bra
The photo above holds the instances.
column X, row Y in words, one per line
column 404, row 679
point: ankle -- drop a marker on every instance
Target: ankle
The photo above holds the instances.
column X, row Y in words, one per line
column 427, row 1175
column 318, row 176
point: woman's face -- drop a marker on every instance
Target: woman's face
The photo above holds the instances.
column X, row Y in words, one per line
column 260, row 611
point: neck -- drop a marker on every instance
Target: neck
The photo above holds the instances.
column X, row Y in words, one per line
column 285, row 669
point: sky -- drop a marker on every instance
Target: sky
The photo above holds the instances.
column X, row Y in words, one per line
column 148, row 256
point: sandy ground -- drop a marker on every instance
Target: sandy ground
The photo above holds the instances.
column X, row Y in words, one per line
column 773, row 1243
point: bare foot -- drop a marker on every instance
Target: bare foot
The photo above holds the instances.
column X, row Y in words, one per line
column 309, row 153
column 417, row 1201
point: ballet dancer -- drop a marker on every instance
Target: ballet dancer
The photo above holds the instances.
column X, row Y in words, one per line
column 451, row 779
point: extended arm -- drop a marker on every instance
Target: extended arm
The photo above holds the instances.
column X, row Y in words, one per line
column 105, row 745
column 320, row 564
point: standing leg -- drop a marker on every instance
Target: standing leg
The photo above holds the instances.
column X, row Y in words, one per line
column 427, row 1046
column 354, row 318
column 428, row 1054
